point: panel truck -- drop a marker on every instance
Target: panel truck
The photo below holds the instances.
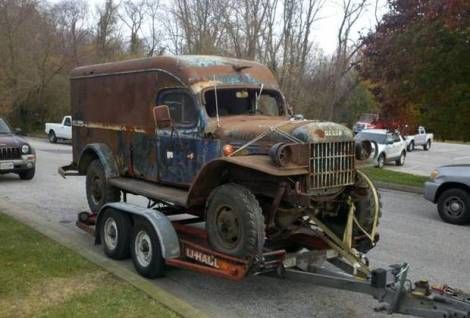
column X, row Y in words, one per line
column 236, row 183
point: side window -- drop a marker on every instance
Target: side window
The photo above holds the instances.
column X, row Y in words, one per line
column 182, row 107
column 396, row 138
column 67, row 122
column 389, row 139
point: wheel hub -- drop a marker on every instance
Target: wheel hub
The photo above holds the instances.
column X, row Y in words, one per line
column 110, row 233
column 228, row 226
column 96, row 189
column 454, row 206
column 143, row 248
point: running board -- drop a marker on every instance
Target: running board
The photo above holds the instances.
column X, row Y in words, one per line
column 151, row 190
column 394, row 292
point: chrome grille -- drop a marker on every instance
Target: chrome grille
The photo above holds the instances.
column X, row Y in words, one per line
column 331, row 164
column 10, row 153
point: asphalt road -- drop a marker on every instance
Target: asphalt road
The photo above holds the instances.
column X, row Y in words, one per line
column 422, row 162
column 411, row 231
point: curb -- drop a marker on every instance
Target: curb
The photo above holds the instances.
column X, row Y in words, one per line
column 62, row 237
column 399, row 187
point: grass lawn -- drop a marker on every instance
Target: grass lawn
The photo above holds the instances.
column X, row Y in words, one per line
column 40, row 278
column 399, row 178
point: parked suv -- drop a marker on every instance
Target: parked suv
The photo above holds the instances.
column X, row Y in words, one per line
column 214, row 137
column 391, row 145
column 16, row 155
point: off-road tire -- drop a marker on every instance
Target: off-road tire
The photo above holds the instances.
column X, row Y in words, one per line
column 247, row 211
column 399, row 161
column 459, row 217
column 411, row 147
column 52, row 137
column 123, row 233
column 104, row 193
column 156, row 265
column 27, row 174
column 381, row 161
column 427, row 146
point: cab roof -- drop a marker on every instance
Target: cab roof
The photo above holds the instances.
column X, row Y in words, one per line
column 189, row 70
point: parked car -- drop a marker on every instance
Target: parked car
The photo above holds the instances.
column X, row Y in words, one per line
column 59, row 131
column 391, row 145
column 450, row 189
column 16, row 154
column 420, row 139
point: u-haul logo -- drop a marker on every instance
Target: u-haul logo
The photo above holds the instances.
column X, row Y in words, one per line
column 200, row 257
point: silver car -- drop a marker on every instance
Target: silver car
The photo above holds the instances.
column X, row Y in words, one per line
column 391, row 146
column 450, row 189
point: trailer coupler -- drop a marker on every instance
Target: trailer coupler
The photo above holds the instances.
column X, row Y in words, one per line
column 393, row 290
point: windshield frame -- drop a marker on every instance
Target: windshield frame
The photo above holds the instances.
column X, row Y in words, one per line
column 5, row 129
column 283, row 109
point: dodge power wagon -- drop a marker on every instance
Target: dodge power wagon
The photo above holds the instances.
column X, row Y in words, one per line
column 215, row 137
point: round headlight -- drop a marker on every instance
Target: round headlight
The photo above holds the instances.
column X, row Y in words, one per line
column 25, row 149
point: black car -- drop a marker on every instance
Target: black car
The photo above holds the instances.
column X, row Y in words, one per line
column 16, row 154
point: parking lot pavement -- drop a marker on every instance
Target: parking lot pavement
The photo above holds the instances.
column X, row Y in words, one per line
column 422, row 162
column 410, row 231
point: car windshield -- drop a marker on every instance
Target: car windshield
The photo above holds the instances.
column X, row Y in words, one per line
column 4, row 129
column 243, row 101
column 378, row 138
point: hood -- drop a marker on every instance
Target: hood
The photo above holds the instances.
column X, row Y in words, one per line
column 246, row 128
column 11, row 140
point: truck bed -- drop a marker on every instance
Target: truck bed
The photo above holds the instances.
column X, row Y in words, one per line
column 151, row 190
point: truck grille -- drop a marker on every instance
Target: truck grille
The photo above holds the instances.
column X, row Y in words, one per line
column 331, row 164
column 10, row 153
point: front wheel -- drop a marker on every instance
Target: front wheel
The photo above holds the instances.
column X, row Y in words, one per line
column 381, row 161
column 411, row 146
column 146, row 251
column 27, row 174
column 427, row 146
column 454, row 206
column 234, row 221
column 98, row 191
column 401, row 160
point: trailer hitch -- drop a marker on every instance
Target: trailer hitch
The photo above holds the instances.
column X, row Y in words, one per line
column 392, row 289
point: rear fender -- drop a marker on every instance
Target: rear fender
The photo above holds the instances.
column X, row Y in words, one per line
column 101, row 152
column 169, row 242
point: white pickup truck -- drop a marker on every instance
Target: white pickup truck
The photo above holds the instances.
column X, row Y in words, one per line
column 420, row 139
column 59, row 131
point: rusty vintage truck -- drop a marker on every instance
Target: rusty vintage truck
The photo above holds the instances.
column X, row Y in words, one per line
column 215, row 136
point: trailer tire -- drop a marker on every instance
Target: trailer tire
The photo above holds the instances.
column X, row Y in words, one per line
column 146, row 250
column 115, row 228
column 98, row 191
column 234, row 221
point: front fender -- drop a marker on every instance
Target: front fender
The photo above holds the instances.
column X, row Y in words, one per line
column 101, row 152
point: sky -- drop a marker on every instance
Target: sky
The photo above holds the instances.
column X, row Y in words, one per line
column 324, row 33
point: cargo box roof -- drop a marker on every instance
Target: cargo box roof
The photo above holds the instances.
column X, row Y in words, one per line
column 197, row 71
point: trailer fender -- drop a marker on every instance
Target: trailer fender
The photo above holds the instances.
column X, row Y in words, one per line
column 169, row 242
column 101, row 152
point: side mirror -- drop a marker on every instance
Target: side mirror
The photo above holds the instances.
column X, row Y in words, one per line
column 19, row 132
column 162, row 117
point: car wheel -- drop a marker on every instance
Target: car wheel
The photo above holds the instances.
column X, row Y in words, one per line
column 381, row 161
column 52, row 137
column 234, row 221
column 427, row 146
column 146, row 250
column 115, row 230
column 401, row 160
column 454, row 206
column 411, row 146
column 98, row 192
column 27, row 174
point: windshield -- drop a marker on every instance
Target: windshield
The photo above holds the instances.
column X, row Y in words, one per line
column 243, row 101
column 378, row 138
column 4, row 129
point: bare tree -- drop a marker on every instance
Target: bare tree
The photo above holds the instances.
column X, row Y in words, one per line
column 105, row 28
column 154, row 42
column 133, row 17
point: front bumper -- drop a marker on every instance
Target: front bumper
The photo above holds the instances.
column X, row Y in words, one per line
column 26, row 162
column 430, row 190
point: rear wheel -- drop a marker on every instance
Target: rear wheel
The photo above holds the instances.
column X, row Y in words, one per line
column 454, row 206
column 427, row 146
column 234, row 221
column 98, row 191
column 52, row 137
column 115, row 230
column 146, row 251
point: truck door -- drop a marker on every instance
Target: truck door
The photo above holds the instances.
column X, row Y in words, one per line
column 182, row 149
column 421, row 136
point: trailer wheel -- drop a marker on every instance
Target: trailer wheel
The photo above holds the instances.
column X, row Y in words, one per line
column 454, row 206
column 146, row 251
column 234, row 221
column 114, row 233
column 98, row 192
